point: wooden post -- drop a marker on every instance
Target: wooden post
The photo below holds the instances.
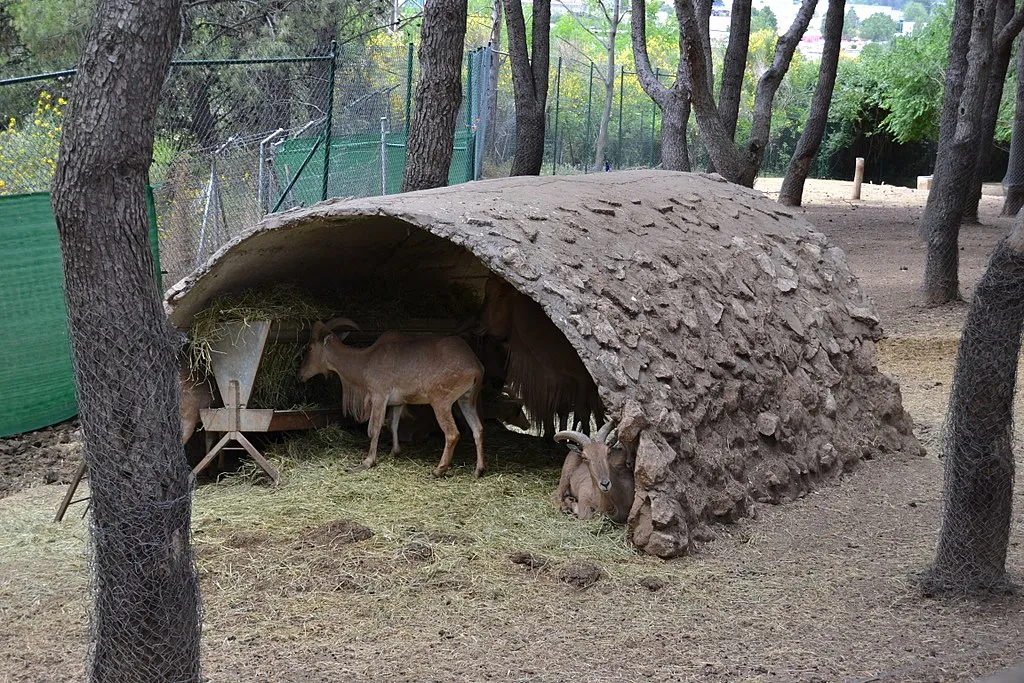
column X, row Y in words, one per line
column 858, row 177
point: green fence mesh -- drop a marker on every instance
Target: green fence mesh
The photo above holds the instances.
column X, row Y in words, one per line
column 355, row 166
column 37, row 384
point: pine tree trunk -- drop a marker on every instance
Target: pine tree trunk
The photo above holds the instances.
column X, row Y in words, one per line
column 1013, row 181
column 145, row 620
column 958, row 139
column 675, row 114
column 814, row 130
column 673, row 102
column 429, row 149
column 979, row 462
column 529, row 83
column 996, row 78
column 735, row 65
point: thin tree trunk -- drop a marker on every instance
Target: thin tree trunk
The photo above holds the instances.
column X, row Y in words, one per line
column 996, row 78
column 529, row 82
column 1013, row 181
column 673, row 102
column 609, row 85
column 735, row 65
column 495, row 69
column 145, row 620
column 438, row 96
column 979, row 462
column 958, row 139
column 814, row 130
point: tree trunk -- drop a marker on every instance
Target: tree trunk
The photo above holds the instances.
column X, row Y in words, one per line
column 675, row 114
column 1013, row 181
column 996, row 78
column 958, row 139
column 609, row 86
column 979, row 463
column 529, row 82
column 814, row 130
column 495, row 68
column 673, row 102
column 145, row 621
column 429, row 149
column 738, row 166
column 735, row 65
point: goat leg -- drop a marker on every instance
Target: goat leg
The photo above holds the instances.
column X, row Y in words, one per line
column 468, row 404
column 396, row 416
column 572, row 461
column 377, row 411
column 451, row 437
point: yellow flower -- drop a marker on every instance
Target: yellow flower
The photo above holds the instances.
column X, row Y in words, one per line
column 61, row 101
column 2, row 183
column 37, row 122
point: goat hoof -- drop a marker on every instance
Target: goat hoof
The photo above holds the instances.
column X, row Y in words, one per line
column 436, row 474
column 477, row 474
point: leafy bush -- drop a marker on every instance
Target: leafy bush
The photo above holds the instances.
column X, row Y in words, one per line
column 28, row 151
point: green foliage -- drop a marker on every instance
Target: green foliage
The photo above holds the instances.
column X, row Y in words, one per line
column 53, row 31
column 28, row 149
column 763, row 19
column 915, row 12
column 879, row 28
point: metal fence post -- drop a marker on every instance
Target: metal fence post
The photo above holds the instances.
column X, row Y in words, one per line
column 618, row 151
column 470, row 155
column 558, row 90
column 590, row 97
column 383, row 155
column 330, row 117
column 408, row 90
column 486, row 55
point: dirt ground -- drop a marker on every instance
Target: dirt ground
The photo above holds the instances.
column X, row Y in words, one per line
column 820, row 590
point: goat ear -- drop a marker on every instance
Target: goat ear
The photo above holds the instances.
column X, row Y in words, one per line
column 573, row 446
column 342, row 336
column 319, row 332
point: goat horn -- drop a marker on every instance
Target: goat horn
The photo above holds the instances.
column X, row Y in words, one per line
column 339, row 322
column 578, row 438
column 603, row 433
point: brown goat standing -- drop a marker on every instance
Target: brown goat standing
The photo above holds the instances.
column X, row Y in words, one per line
column 543, row 369
column 595, row 479
column 398, row 371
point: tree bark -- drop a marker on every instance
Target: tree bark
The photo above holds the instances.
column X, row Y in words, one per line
column 145, row 621
column 957, row 152
column 996, row 78
column 736, row 165
column 429, row 149
column 1013, row 181
column 979, row 464
column 735, row 66
column 529, row 82
column 814, row 130
column 673, row 102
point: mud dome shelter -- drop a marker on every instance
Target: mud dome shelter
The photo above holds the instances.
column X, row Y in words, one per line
column 736, row 328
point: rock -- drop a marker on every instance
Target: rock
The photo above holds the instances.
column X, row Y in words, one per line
column 767, row 424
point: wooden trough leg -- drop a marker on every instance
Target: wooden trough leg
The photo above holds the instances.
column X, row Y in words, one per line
column 205, row 462
column 75, row 480
column 257, row 456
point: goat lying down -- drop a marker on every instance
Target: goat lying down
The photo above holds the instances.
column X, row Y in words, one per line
column 397, row 371
column 595, row 479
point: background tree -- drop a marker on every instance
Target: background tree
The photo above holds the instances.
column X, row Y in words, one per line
column 995, row 79
column 741, row 24
column 851, row 25
column 438, row 95
column 1013, row 181
column 915, row 12
column 529, row 81
column 763, row 19
column 792, row 190
column 604, row 30
column 979, row 461
column 878, row 27
column 145, row 620
column 673, row 100
column 736, row 165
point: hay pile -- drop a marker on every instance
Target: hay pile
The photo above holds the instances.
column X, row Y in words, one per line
column 375, row 306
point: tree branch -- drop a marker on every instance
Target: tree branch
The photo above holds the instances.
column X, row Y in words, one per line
column 644, row 73
column 1013, row 27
